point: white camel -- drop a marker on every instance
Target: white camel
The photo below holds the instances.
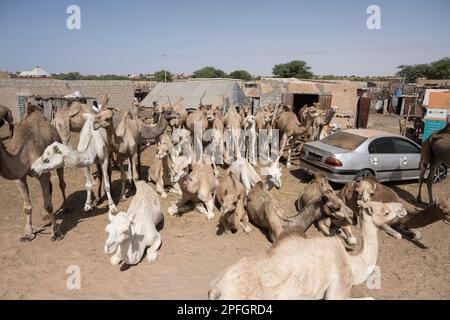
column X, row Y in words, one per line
column 92, row 148
column 249, row 125
column 130, row 233
column 299, row 268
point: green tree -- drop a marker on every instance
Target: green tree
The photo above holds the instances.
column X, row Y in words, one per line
column 161, row 75
column 293, row 69
column 209, row 72
column 439, row 69
column 241, row 74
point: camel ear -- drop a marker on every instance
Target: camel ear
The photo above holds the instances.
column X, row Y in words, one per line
column 374, row 187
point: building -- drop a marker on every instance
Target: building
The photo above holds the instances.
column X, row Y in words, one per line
column 433, row 83
column 35, row 73
column 13, row 91
column 209, row 91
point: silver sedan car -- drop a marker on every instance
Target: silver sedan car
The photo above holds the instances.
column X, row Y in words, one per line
column 351, row 155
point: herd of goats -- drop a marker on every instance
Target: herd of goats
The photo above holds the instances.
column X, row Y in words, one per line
column 295, row 267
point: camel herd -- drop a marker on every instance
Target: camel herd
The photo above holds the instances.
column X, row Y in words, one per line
column 295, row 267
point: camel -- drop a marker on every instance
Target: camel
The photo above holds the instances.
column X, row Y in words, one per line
column 290, row 128
column 197, row 187
column 180, row 114
column 127, row 145
column 328, row 226
column 92, row 148
column 435, row 151
column 215, row 134
column 197, row 123
column 265, row 212
column 263, row 123
column 233, row 123
column 244, row 172
column 150, row 132
column 6, row 116
column 245, row 111
column 249, row 125
column 70, row 119
column 370, row 189
column 131, row 233
column 32, row 135
column 231, row 198
column 161, row 170
column 299, row 268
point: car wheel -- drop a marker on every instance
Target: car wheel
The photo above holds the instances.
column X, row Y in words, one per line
column 362, row 174
column 440, row 174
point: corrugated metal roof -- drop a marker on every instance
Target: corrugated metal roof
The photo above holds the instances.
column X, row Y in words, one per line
column 192, row 91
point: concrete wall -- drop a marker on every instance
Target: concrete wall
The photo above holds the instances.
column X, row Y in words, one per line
column 344, row 93
column 121, row 92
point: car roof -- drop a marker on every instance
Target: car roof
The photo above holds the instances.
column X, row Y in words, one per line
column 370, row 133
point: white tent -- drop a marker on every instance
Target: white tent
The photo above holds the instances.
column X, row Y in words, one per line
column 35, row 73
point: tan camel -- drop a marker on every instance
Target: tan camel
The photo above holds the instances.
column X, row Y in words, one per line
column 180, row 113
column 435, row 151
column 33, row 134
column 6, row 116
column 290, row 128
column 233, row 125
column 299, row 268
column 70, row 118
column 150, row 132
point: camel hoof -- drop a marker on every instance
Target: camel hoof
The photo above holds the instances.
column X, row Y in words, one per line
column 152, row 256
column 447, row 221
column 172, row 210
column 113, row 209
column 87, row 208
column 27, row 237
column 57, row 236
column 352, row 241
column 164, row 195
column 122, row 198
column 115, row 260
column 248, row 230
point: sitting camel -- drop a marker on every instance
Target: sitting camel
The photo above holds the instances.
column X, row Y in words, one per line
column 328, row 226
column 92, row 148
column 131, row 233
column 198, row 187
column 244, row 172
column 265, row 212
column 435, row 151
column 6, row 116
column 32, row 135
column 298, row 268
column 231, row 198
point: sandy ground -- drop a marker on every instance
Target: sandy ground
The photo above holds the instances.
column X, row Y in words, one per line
column 193, row 251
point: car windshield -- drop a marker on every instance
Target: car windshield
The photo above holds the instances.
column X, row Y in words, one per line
column 344, row 140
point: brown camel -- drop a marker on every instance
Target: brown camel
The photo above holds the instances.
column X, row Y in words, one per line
column 290, row 128
column 435, row 151
column 180, row 114
column 33, row 134
column 197, row 121
column 149, row 132
column 71, row 118
column 6, row 116
column 233, row 125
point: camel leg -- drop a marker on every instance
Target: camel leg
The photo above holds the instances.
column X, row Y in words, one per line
column 100, row 180
column 433, row 166
column 246, row 224
column 178, row 206
column 45, row 183
column 284, row 140
column 423, row 168
column 210, row 208
column 152, row 251
column 175, row 188
column 122, row 178
column 105, row 165
column 391, row 231
column 338, row 289
column 324, row 226
column 62, row 186
column 88, row 206
column 27, row 209
column 116, row 259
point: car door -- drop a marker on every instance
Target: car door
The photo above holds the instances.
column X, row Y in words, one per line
column 409, row 154
column 384, row 159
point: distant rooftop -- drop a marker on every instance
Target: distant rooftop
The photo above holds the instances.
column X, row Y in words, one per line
column 35, row 73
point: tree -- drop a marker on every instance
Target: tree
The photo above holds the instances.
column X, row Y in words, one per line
column 293, row 69
column 161, row 75
column 439, row 69
column 241, row 74
column 209, row 72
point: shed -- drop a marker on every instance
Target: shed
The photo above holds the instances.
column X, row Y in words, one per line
column 193, row 90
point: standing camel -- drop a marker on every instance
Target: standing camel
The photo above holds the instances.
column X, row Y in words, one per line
column 32, row 136
column 435, row 151
column 233, row 125
column 6, row 116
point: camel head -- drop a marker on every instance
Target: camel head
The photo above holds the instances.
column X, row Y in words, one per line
column 101, row 120
column 382, row 213
column 249, row 121
column 364, row 190
column 210, row 113
column 228, row 208
column 163, row 150
column 118, row 229
column 180, row 168
column 54, row 157
column 334, row 207
column 273, row 173
column 444, row 205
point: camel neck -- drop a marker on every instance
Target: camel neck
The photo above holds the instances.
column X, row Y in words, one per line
column 79, row 159
column 311, row 213
column 11, row 166
column 362, row 265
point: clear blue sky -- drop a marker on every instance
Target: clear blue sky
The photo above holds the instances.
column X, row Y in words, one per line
column 132, row 36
